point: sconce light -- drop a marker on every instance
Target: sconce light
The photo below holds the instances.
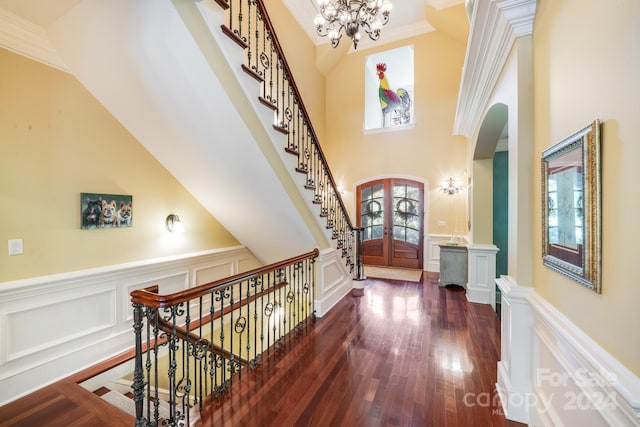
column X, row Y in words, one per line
column 174, row 224
column 451, row 186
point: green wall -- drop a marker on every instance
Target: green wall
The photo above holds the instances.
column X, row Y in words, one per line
column 500, row 211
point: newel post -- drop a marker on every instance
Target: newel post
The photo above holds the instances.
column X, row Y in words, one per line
column 138, row 373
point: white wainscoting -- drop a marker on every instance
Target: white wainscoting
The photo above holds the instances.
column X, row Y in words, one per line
column 333, row 281
column 514, row 376
column 551, row 373
column 53, row 326
column 577, row 382
column 481, row 287
column 432, row 257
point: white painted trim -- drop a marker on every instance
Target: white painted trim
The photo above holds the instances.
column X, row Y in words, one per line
column 514, row 380
column 482, row 274
column 552, row 373
column 575, row 378
column 495, row 26
column 25, row 38
column 333, row 281
column 432, row 251
column 35, row 353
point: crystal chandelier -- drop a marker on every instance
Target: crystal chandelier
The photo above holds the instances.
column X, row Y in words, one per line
column 352, row 16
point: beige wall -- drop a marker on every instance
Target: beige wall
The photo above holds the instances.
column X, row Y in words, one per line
column 58, row 141
column 586, row 66
column 427, row 152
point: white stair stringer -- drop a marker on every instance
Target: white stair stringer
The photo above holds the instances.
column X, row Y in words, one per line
column 214, row 18
column 177, row 97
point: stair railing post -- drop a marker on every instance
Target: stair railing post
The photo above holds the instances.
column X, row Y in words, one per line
column 359, row 253
column 138, row 373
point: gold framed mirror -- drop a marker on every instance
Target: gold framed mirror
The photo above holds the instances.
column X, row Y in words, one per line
column 571, row 204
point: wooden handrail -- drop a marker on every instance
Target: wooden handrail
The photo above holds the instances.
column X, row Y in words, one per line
column 152, row 299
column 195, row 339
column 281, row 55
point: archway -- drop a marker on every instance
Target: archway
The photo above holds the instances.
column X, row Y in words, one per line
column 490, row 192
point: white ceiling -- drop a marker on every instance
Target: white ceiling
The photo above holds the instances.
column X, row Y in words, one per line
column 407, row 18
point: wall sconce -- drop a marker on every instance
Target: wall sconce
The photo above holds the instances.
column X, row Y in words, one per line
column 174, row 224
column 451, row 186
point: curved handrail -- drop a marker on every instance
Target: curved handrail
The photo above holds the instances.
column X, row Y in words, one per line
column 151, row 299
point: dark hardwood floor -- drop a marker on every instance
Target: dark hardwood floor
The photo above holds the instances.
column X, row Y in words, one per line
column 404, row 354
column 62, row 404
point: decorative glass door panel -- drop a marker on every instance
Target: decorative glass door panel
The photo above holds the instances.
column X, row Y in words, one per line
column 390, row 211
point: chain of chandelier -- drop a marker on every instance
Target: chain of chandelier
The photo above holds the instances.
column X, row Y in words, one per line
column 351, row 17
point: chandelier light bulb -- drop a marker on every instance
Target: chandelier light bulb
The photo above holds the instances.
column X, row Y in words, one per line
column 351, row 17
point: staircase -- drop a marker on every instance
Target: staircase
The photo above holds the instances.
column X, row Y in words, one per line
column 170, row 73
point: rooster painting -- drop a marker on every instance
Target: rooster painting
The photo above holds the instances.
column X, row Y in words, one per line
column 396, row 106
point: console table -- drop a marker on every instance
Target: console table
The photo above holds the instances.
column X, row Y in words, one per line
column 453, row 264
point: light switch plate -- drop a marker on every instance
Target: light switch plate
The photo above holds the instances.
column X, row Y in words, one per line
column 15, row 247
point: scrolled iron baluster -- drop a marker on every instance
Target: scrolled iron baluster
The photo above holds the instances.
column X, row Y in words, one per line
column 238, row 31
column 138, row 373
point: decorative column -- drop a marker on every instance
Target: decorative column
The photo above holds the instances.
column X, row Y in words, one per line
column 481, row 286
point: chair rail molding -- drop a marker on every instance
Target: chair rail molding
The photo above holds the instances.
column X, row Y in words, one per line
column 575, row 380
column 495, row 25
column 52, row 326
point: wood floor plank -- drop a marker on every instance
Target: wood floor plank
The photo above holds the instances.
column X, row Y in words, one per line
column 62, row 404
column 403, row 354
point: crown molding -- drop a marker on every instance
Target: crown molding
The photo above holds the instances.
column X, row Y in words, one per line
column 25, row 38
column 495, row 25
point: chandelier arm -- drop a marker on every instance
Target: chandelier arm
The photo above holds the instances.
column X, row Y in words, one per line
column 350, row 16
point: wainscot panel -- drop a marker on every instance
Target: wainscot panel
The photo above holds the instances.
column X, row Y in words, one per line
column 577, row 382
column 53, row 326
column 333, row 281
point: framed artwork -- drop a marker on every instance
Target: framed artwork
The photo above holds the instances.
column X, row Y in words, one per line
column 389, row 89
column 571, row 204
column 105, row 210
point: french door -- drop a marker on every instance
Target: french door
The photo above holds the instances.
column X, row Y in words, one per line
column 391, row 213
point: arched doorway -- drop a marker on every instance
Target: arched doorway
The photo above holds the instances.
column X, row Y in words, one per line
column 491, row 154
column 391, row 213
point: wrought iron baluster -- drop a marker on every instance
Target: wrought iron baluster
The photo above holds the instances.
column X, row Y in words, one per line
column 158, row 340
column 138, row 373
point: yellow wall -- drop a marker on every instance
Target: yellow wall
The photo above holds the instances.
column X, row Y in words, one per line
column 58, row 141
column 301, row 56
column 586, row 66
column 428, row 151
